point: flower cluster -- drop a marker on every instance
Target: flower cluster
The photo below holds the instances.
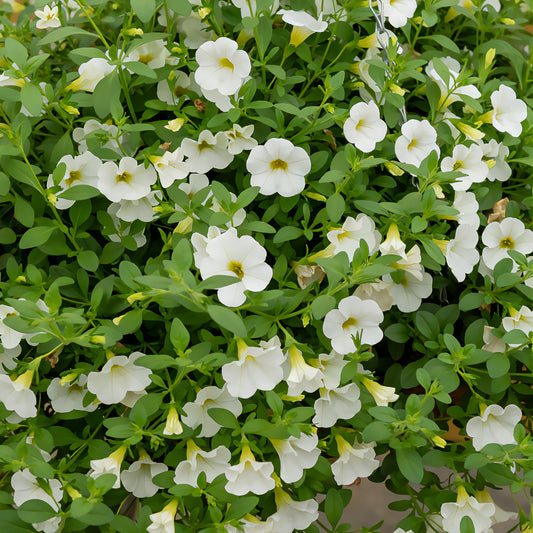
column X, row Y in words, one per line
column 253, row 252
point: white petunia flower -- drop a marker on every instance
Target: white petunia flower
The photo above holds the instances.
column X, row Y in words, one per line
column 466, row 204
column 342, row 402
column 137, row 479
column 91, row 73
column 80, row 170
column 347, row 239
column 96, row 130
column 8, row 357
column 302, row 24
column 26, row 487
column 17, row 396
column 170, row 167
column 210, row 151
column 240, row 139
column 258, row 368
column 153, row 54
column 500, row 515
column 173, row 425
column 379, row 292
column 522, row 320
column 9, row 337
column 142, row 209
column 127, row 181
column 499, row 237
column 398, row 11
column 207, row 398
column 278, row 167
column 47, row 18
column 461, row 254
column 331, row 366
column 293, row 515
column 450, row 92
column 118, row 376
column 301, row 377
column 494, row 154
column 109, row 465
column 163, row 521
column 240, row 257
column 250, row 475
column 509, row 111
column 68, row 396
column 393, row 244
column 364, row 128
column 495, row 426
column 212, row 463
column 249, row 7
column 479, row 513
column 353, row 317
column 492, row 344
column 170, row 90
column 354, row 462
column 418, row 140
column 123, row 228
column 408, row 295
column 221, row 66
column 196, row 32
column 469, row 161
column 296, row 454
column 382, row 395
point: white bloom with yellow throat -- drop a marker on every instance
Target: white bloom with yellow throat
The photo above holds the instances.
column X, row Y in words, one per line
column 154, row 54
column 250, row 475
column 137, row 479
column 355, row 461
column 163, row 521
column 240, row 139
column 348, row 238
column 91, row 73
column 170, row 167
column 26, row 487
column 278, row 167
column 68, row 396
column 509, row 111
column 495, row 154
column 292, row 515
column 118, row 376
column 296, row 454
column 480, row 513
column 354, row 317
column 409, row 293
column 494, row 426
column 9, row 337
column 331, row 365
column 48, row 18
column 522, row 320
column 417, row 141
column 303, row 25
column 230, row 255
column 258, row 368
column 342, row 402
column 109, row 465
column 173, row 425
column 500, row 237
column 364, row 128
column 379, row 292
column 221, row 66
column 212, row 463
column 461, row 254
column 382, row 395
column 302, row 377
column 125, row 181
column 16, row 395
column 196, row 413
column 398, row 11
column 208, row 152
column 469, row 161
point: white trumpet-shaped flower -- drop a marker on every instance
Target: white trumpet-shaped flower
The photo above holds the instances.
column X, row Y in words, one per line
column 382, row 395
column 509, row 111
column 461, row 254
column 480, row 513
column 163, row 521
column 364, row 129
column 354, row 462
column 417, row 141
column 137, row 479
column 292, row 515
column 302, row 377
column 303, row 25
column 342, row 402
column 296, row 454
column 109, row 465
column 348, row 238
column 250, row 475
column 17, row 396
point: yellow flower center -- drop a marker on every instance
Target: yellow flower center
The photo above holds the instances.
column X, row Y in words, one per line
column 457, row 165
column 236, row 268
column 145, row 58
column 278, row 164
column 124, row 177
column 179, row 91
column 226, row 63
column 73, row 175
column 349, row 323
column 361, row 122
column 412, row 144
column 507, row 243
column 204, row 145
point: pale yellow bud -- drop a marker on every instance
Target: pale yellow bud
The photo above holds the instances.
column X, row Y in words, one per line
column 73, row 493
column 508, row 21
column 204, row 12
column 175, row 124
column 173, row 425
column 98, row 339
column 132, row 32
column 439, row 441
column 395, row 170
column 20, row 279
column 70, row 109
column 396, row 89
column 135, row 297
column 316, row 196
column 184, row 226
column 471, row 133
column 489, row 57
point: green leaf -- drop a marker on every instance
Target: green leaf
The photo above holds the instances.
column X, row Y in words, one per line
column 240, row 507
column 106, row 95
column 33, row 511
column 36, row 236
column 467, row 526
column 62, row 33
column 333, row 506
column 100, row 514
column 31, row 98
column 179, row 336
column 180, row 7
column 427, row 324
column 15, row 51
column 472, row 300
column 24, row 212
column 397, row 333
column 12, row 523
column 228, row 319
column 498, row 365
column 223, row 417
column 322, row 304
column 88, row 260
column 79, row 192
column 264, row 34
column 410, row 464
column 80, row 507
column 215, row 282
column 277, row 71
column 287, row 233
column 335, row 207
column 7, row 236
column 140, row 68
